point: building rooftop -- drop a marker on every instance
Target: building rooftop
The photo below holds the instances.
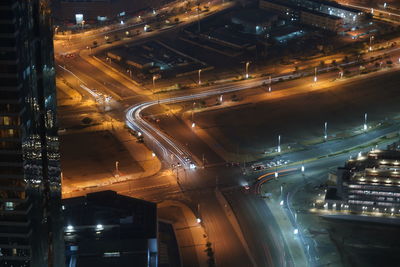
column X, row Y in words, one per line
column 254, row 16
column 108, row 229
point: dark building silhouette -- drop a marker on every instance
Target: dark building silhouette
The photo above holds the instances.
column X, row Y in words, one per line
column 31, row 232
column 107, row 229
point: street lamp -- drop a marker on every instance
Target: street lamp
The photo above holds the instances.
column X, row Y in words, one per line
column 303, row 168
column 370, row 42
column 247, row 69
column 365, row 121
column 200, row 76
column 270, row 82
column 116, row 169
column 154, row 82
column 279, row 144
column 326, row 130
column 193, row 124
column 315, row 75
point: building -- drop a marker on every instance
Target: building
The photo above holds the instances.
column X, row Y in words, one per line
column 254, row 21
column 348, row 14
column 31, row 232
column 320, row 20
column 285, row 9
column 107, row 229
column 318, row 13
column 368, row 184
column 100, row 10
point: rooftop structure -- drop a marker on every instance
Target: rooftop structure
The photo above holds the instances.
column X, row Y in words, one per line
column 254, row 21
column 107, row 229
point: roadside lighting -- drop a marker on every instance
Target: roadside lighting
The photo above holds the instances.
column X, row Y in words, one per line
column 198, row 220
column 116, row 168
column 302, row 168
column 296, row 231
column 139, row 134
column 326, row 130
column 247, row 69
column 315, row 75
column 370, row 42
column 365, row 121
column 154, row 82
column 220, row 99
column 200, row 76
column 122, row 22
column 99, row 227
column 279, row 144
column 281, row 203
column 270, row 82
column 193, row 125
column 70, row 228
column 276, row 174
column 153, row 154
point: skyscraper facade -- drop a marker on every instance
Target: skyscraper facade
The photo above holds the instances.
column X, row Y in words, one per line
column 31, row 231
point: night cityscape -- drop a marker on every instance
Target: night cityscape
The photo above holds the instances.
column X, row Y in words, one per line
column 232, row 133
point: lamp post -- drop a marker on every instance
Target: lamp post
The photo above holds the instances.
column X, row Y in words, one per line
column 154, row 82
column 200, row 76
column 365, row 121
column 270, row 83
column 116, row 168
column 247, row 69
column 315, row 74
column 370, row 42
column 279, row 144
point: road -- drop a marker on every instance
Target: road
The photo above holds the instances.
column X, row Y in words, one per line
column 268, row 246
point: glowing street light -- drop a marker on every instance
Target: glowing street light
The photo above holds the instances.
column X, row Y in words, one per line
column 303, row 168
column 326, row 130
column 270, row 82
column 153, row 154
column 198, row 220
column 116, row 168
column 154, row 82
column 276, row 174
column 281, row 203
column 247, row 69
column 193, row 124
column 296, row 231
column 315, row 75
column 200, row 76
column 279, row 144
column 365, row 121
column 370, row 42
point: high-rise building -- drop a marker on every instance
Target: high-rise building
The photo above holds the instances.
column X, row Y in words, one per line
column 31, row 232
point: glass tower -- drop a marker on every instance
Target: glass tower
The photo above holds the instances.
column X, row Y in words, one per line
column 31, row 232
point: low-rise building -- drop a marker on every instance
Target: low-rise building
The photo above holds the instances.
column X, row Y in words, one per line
column 320, row 20
column 254, row 21
column 368, row 184
column 108, row 229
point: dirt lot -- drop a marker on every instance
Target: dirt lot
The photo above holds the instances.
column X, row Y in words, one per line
column 87, row 156
column 254, row 127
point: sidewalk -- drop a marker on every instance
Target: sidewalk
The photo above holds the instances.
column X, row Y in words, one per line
column 292, row 241
column 190, row 235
